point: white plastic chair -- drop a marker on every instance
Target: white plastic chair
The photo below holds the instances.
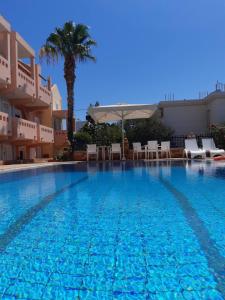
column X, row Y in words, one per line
column 115, row 149
column 151, row 149
column 209, row 146
column 165, row 148
column 192, row 148
column 92, row 150
column 137, row 149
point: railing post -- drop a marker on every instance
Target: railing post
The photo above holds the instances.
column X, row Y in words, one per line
column 37, row 79
column 32, row 67
column 14, row 58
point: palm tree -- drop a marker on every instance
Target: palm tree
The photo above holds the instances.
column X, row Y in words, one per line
column 73, row 43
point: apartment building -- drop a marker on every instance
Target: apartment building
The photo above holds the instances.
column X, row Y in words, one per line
column 25, row 101
column 196, row 115
column 59, row 117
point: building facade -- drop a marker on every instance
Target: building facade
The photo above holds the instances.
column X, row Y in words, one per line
column 197, row 116
column 80, row 124
column 59, row 117
column 26, row 131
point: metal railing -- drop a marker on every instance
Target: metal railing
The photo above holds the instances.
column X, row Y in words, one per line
column 177, row 141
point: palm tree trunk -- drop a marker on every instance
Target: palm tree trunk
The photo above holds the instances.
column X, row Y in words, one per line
column 69, row 75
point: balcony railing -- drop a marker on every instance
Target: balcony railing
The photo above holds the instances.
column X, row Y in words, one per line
column 24, row 79
column 44, row 89
column 4, row 70
column 45, row 134
column 5, row 124
column 60, row 137
column 24, row 68
column 24, row 130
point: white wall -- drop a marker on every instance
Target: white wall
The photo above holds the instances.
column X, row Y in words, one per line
column 217, row 111
column 79, row 125
column 184, row 119
column 56, row 98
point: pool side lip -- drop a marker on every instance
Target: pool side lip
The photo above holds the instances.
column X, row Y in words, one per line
column 22, row 167
column 16, row 168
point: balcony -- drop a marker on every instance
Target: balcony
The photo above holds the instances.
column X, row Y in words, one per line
column 24, row 130
column 5, row 71
column 45, row 134
column 22, row 90
column 61, row 138
column 43, row 88
column 25, row 82
column 5, row 125
column 5, row 77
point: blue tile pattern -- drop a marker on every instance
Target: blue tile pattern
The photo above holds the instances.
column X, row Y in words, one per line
column 118, row 234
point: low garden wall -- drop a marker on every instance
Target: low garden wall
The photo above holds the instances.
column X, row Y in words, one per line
column 79, row 155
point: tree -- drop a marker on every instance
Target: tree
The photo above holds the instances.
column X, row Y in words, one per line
column 81, row 140
column 103, row 134
column 73, row 43
column 144, row 130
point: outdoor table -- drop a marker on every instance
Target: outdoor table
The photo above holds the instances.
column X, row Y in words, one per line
column 103, row 149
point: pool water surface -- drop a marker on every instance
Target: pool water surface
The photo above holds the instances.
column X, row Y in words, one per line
column 113, row 231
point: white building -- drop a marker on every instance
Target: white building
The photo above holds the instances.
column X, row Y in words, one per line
column 57, row 98
column 185, row 116
column 79, row 124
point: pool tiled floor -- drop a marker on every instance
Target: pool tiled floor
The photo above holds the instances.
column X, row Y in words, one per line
column 112, row 236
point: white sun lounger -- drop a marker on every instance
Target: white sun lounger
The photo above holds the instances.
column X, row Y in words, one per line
column 209, row 146
column 191, row 148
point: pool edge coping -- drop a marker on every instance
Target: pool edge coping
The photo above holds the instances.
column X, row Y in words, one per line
column 16, row 168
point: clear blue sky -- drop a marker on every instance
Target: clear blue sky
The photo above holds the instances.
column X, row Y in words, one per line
column 146, row 48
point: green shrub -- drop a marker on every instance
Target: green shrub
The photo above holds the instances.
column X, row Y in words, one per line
column 81, row 139
column 63, row 156
column 218, row 133
column 144, row 130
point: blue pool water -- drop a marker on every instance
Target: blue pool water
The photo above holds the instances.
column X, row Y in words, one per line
column 113, row 231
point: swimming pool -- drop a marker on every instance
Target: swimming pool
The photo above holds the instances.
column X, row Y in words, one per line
column 113, row 231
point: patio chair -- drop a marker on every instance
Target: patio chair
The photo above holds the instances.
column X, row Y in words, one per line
column 192, row 148
column 92, row 150
column 209, row 146
column 165, row 148
column 151, row 149
column 115, row 149
column 137, row 149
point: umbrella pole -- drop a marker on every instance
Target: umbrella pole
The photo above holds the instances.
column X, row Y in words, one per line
column 123, row 156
